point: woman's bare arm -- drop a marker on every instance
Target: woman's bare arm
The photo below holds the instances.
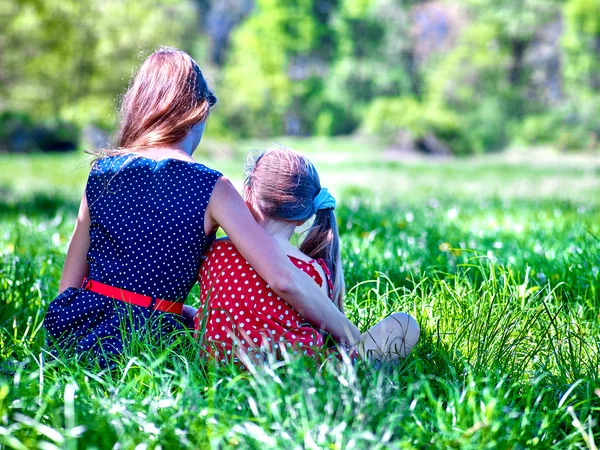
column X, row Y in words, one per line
column 76, row 267
column 227, row 209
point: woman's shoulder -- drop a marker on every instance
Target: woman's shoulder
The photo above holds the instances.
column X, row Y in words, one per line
column 197, row 167
column 115, row 164
column 119, row 161
column 179, row 172
column 109, row 162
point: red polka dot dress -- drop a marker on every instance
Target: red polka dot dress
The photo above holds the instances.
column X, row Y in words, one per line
column 242, row 313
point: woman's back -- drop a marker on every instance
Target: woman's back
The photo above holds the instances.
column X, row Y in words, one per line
column 146, row 237
column 147, row 223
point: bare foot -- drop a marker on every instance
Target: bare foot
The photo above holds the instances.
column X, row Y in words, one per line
column 393, row 337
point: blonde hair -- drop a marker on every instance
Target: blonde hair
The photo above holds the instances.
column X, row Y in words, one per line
column 283, row 184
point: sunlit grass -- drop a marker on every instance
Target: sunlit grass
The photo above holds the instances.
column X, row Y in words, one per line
column 498, row 259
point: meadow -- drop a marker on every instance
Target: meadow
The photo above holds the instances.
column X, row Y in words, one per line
column 497, row 257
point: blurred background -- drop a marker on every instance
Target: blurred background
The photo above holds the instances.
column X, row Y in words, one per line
column 407, row 77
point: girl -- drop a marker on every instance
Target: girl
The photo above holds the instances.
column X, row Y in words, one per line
column 149, row 212
column 244, row 317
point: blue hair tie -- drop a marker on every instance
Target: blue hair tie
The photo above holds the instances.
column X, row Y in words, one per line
column 323, row 200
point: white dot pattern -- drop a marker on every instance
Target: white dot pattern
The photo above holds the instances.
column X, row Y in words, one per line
column 245, row 314
column 146, row 236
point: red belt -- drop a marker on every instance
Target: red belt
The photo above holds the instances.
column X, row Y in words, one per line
column 131, row 297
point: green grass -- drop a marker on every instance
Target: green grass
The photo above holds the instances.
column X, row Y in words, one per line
column 498, row 258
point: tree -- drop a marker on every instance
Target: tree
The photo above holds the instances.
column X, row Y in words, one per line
column 374, row 58
column 269, row 68
column 218, row 18
column 315, row 65
column 488, row 77
column 581, row 43
column 67, row 59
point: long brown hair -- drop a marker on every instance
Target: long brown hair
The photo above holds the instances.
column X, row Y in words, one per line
column 167, row 96
column 283, row 185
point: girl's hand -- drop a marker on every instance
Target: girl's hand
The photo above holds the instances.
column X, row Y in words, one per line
column 76, row 267
column 227, row 209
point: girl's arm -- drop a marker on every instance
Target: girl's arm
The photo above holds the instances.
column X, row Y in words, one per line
column 227, row 210
column 76, row 267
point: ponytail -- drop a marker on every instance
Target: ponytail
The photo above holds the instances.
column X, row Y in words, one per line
column 284, row 185
column 322, row 242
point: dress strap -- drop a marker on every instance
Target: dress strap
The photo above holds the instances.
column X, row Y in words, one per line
column 321, row 262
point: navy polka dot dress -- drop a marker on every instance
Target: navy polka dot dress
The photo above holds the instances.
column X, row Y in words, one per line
column 146, row 236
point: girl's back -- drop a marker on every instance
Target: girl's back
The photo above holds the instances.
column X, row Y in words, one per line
column 242, row 315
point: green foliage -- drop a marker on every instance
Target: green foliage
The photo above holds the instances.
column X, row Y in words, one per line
column 581, row 71
column 258, row 90
column 515, row 20
column 468, row 82
column 386, row 117
column 508, row 72
column 302, row 75
column 373, row 58
column 20, row 133
column 70, row 59
column 581, row 42
column 540, row 129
